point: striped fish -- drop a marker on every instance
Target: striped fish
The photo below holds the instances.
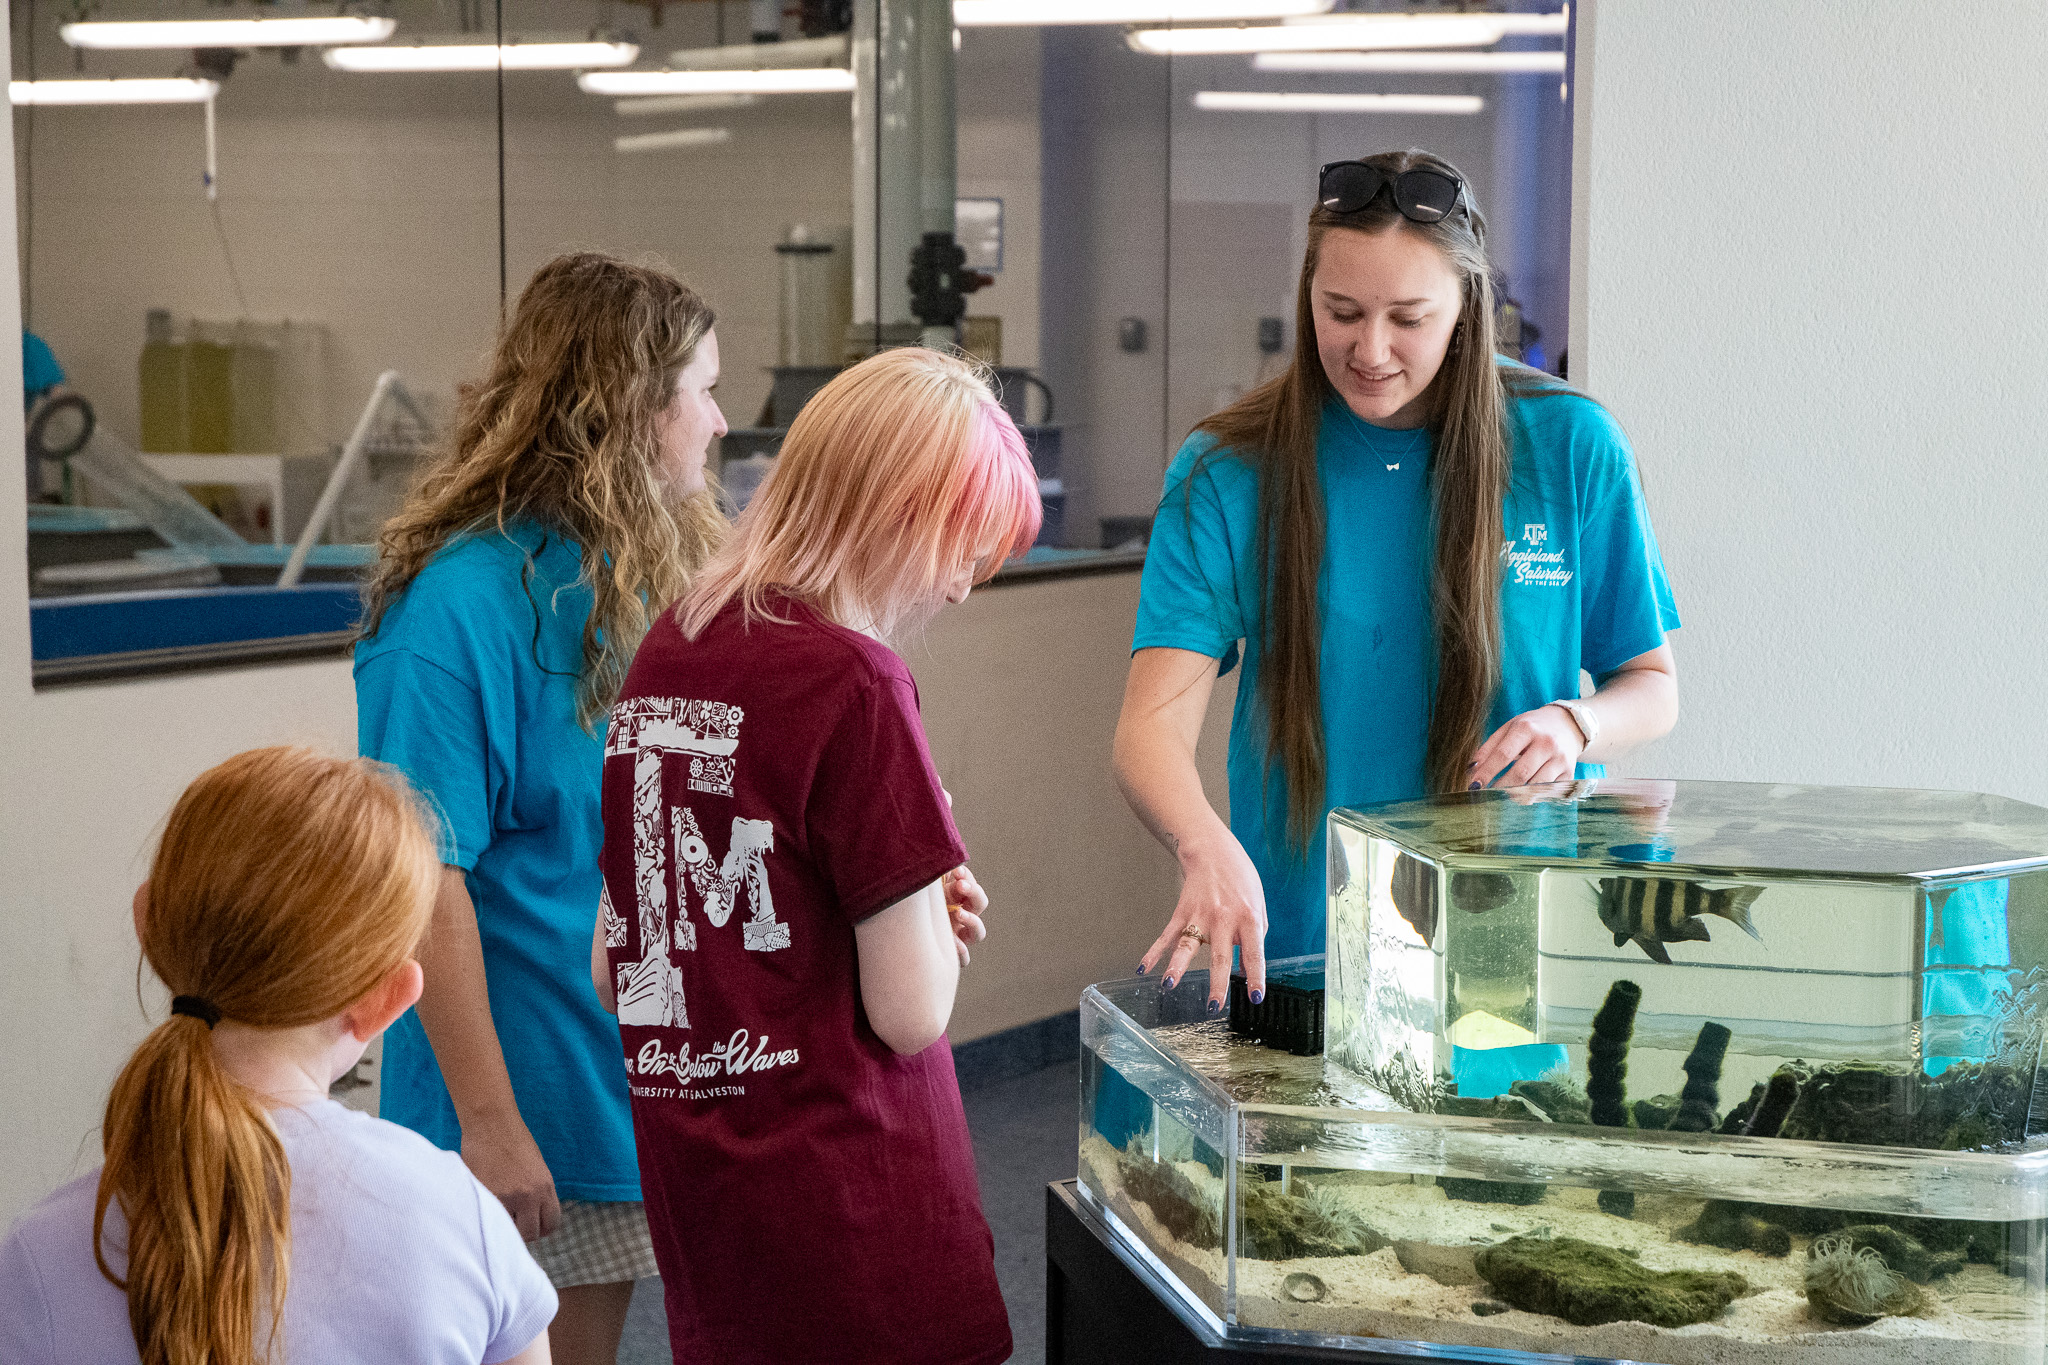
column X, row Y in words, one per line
column 1655, row 911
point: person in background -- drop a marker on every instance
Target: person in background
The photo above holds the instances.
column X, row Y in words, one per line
column 509, row 594
column 787, row 908
column 40, row 371
column 1415, row 546
column 241, row 1213
column 41, row 376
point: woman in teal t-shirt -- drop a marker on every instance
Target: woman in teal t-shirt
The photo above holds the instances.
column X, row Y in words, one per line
column 508, row 598
column 1416, row 545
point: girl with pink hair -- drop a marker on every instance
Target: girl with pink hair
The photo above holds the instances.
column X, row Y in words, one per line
column 787, row 906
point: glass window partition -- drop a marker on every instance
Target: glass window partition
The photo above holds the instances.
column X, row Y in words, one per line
column 223, row 283
column 216, row 277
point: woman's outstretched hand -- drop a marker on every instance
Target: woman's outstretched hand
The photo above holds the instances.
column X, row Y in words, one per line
column 1222, row 902
column 1537, row 746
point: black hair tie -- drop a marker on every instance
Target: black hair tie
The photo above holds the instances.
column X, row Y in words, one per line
column 197, row 1007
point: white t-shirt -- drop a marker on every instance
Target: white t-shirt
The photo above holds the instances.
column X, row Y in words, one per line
column 397, row 1254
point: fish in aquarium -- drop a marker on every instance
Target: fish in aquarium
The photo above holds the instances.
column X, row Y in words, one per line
column 1414, row 891
column 1654, row 911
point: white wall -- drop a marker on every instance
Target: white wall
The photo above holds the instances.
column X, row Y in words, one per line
column 1810, row 271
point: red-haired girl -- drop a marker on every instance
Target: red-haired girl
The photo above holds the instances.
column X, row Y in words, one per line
column 779, row 860
column 242, row 1215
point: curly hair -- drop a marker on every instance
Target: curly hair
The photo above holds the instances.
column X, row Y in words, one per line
column 564, row 430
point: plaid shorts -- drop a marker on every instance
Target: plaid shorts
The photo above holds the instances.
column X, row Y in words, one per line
column 597, row 1243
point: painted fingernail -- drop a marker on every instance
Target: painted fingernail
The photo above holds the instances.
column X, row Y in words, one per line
column 1258, row 997
column 1215, row 1005
column 1473, row 787
column 1141, row 969
column 1169, row 983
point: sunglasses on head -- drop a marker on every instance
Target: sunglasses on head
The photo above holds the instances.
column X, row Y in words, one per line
column 1422, row 196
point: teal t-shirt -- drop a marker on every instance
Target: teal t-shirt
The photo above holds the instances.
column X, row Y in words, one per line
column 1582, row 587
column 469, row 687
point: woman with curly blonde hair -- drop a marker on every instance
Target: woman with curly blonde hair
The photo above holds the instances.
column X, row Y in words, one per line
column 569, row 510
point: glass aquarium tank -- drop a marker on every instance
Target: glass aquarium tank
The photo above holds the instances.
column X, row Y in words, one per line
column 1683, row 1072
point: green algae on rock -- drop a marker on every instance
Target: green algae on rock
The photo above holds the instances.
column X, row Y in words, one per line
column 1969, row 1106
column 1283, row 1227
column 1491, row 1191
column 1901, row 1251
column 1173, row 1198
column 1724, row 1223
column 1654, row 1113
column 1586, row 1284
column 1558, row 1096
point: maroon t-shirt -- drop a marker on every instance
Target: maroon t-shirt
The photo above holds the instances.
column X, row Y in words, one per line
column 811, row 1193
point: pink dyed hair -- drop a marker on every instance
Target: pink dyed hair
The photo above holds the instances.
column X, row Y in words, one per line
column 897, row 472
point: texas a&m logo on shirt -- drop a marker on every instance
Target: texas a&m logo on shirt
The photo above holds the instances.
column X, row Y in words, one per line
column 1534, row 564
column 706, row 734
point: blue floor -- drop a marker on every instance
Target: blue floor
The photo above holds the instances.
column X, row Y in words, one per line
column 1024, row 1136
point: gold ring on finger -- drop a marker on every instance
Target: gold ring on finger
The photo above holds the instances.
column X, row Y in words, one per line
column 1194, row 933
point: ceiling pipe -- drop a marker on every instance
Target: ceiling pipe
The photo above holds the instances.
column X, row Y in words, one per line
column 904, row 154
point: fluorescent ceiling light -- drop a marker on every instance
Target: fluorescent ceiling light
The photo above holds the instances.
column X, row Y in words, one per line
column 1349, row 33
column 987, row 13
column 1437, row 63
column 829, row 51
column 799, row 81
column 1299, row 102
column 682, row 104
column 166, row 90
column 481, row 56
column 679, row 139
column 312, row 31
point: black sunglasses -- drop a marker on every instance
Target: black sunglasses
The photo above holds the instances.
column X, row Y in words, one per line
column 1422, row 196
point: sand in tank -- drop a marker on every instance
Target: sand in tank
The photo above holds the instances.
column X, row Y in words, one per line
column 1980, row 1317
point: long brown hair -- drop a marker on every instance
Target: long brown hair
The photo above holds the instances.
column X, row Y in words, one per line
column 1275, row 427
column 286, row 887
column 565, row 430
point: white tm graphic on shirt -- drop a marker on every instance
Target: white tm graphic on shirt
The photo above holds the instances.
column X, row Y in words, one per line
column 651, row 729
column 1535, row 566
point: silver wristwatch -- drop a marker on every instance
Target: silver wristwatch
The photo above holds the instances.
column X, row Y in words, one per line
column 1584, row 718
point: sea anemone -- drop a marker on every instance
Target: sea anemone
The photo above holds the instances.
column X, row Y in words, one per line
column 1329, row 1216
column 1851, row 1286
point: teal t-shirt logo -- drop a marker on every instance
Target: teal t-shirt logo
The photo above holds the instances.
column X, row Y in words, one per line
column 1535, row 565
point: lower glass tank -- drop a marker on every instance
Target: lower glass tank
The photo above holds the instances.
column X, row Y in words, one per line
column 1472, row 1193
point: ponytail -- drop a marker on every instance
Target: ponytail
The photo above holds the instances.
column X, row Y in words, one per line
column 287, row 885
column 202, row 1177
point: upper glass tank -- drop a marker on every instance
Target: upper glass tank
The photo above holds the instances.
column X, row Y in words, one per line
column 1473, row 938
